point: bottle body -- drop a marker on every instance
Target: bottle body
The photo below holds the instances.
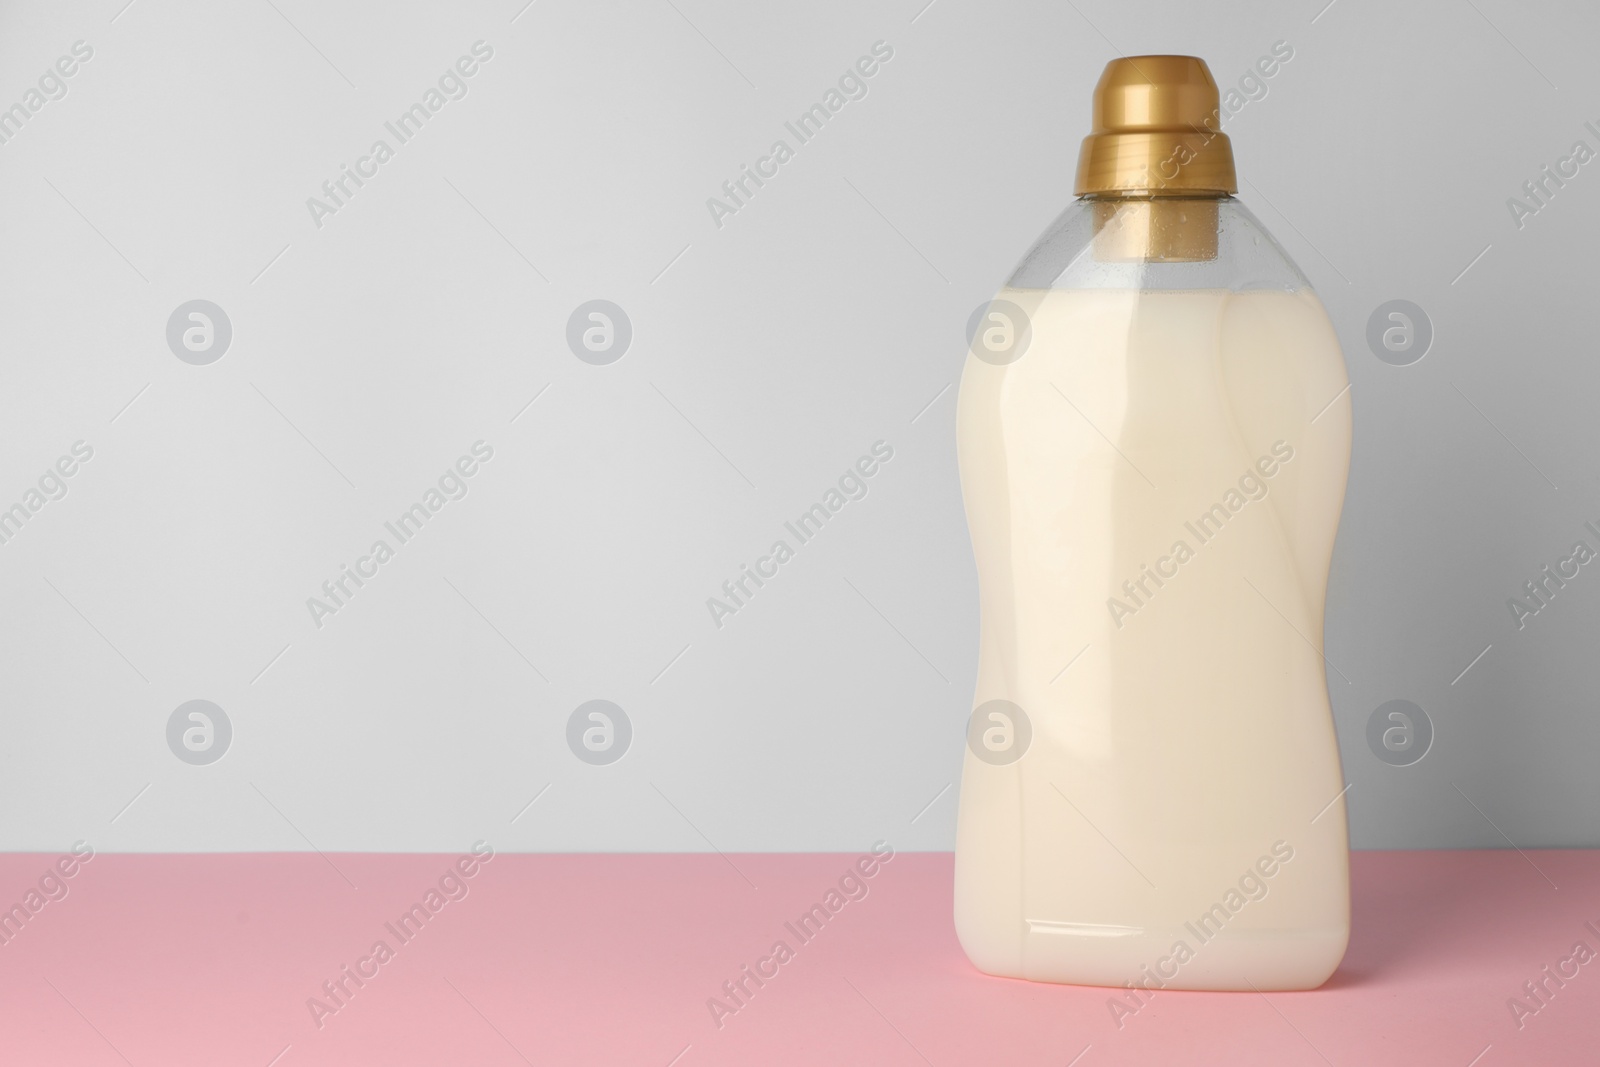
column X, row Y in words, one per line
column 1153, row 485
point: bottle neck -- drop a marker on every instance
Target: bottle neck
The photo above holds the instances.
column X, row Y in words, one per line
column 1155, row 229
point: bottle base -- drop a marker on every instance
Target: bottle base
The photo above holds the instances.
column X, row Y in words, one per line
column 1183, row 958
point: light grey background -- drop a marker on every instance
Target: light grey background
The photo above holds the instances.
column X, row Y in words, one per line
column 768, row 355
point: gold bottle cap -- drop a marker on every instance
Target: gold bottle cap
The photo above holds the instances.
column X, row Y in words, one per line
column 1157, row 131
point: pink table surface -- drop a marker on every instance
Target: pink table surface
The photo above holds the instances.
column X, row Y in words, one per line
column 611, row 959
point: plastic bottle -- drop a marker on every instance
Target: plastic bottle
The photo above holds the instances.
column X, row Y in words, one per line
column 1154, row 437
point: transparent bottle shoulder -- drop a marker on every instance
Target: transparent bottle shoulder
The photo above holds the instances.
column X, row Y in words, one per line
column 1115, row 244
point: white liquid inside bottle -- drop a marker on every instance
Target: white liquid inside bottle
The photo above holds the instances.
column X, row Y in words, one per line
column 1162, row 442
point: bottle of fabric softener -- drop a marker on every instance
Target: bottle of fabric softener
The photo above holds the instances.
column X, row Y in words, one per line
column 1154, row 437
